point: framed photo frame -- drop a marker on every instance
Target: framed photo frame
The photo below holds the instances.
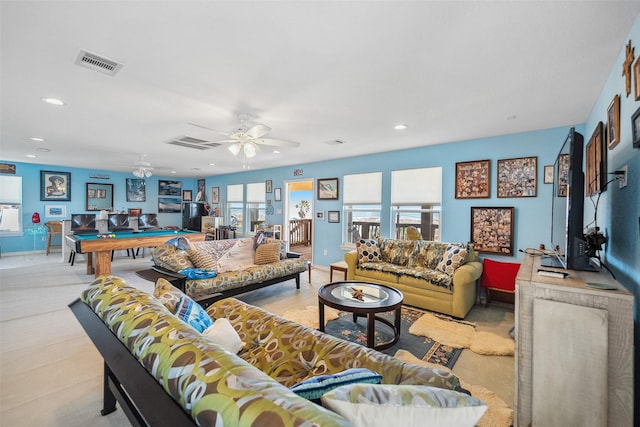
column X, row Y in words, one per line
column 492, row 229
column 548, row 174
column 563, row 175
column 277, row 194
column 320, row 215
column 333, row 216
column 55, row 211
column 201, row 194
column 187, row 195
column 268, row 185
column 613, row 123
column 518, row 177
column 635, row 128
column 596, row 162
column 636, row 79
column 473, row 179
column 169, row 188
column 328, row 189
column 136, row 190
column 169, row 204
column 215, row 194
column 135, row 212
column 55, row 186
column 99, row 196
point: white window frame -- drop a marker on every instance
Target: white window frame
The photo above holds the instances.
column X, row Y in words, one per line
column 362, row 194
column 235, row 205
column 256, row 196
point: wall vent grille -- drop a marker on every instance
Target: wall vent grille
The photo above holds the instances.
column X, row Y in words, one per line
column 98, row 63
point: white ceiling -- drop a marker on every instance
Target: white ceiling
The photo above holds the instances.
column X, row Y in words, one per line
column 314, row 71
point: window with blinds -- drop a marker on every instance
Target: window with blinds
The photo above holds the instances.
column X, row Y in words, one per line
column 361, row 206
column 235, row 206
column 416, row 201
column 10, row 205
column 256, row 204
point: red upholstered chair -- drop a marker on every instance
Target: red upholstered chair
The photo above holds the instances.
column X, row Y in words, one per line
column 499, row 277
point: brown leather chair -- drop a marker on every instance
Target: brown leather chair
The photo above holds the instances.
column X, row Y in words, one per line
column 54, row 229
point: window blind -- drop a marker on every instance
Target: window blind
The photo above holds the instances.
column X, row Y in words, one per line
column 362, row 188
column 417, row 186
column 234, row 193
column 256, row 192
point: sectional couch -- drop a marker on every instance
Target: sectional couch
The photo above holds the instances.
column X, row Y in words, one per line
column 236, row 266
column 435, row 276
column 163, row 371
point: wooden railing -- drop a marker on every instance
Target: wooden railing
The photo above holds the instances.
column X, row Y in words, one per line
column 371, row 230
column 300, row 232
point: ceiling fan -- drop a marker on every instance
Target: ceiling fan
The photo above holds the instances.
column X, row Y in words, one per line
column 142, row 169
column 248, row 138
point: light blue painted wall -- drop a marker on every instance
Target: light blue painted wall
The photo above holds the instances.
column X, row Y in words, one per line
column 79, row 177
column 531, row 227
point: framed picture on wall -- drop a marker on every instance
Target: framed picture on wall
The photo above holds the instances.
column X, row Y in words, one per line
column 169, row 188
column 635, row 129
column 187, row 195
column 548, row 174
column 55, row 186
column 328, row 189
column 268, row 185
column 55, row 211
column 277, row 195
column 473, row 179
column 136, row 190
column 517, row 177
column 613, row 124
column 333, row 216
column 492, row 229
column 215, row 194
column 596, row 169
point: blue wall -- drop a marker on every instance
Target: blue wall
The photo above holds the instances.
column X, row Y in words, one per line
column 79, row 177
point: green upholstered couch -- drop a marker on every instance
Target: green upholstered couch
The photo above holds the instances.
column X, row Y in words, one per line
column 435, row 276
column 235, row 261
column 173, row 375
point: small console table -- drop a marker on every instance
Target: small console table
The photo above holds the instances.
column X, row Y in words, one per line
column 574, row 349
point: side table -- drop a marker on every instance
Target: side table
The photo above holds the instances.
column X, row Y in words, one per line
column 338, row 266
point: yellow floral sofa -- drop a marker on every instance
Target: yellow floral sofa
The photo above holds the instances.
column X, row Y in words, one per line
column 239, row 264
column 163, row 371
column 435, row 276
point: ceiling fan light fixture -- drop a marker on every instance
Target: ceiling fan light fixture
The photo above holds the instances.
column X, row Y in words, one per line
column 138, row 173
column 235, row 148
column 249, row 149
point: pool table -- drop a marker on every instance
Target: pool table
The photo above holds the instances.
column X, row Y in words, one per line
column 90, row 243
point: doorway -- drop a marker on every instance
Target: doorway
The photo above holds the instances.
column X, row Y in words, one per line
column 298, row 217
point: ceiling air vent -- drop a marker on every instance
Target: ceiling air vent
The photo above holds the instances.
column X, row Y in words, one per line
column 191, row 142
column 97, row 63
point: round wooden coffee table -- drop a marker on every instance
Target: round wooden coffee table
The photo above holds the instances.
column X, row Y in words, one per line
column 363, row 300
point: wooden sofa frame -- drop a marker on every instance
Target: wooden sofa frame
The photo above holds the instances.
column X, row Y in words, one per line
column 126, row 381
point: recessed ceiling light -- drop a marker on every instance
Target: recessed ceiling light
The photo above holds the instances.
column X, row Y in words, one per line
column 174, row 172
column 400, row 126
column 212, row 164
column 32, row 156
column 54, row 101
column 37, row 139
column 276, row 152
column 42, row 149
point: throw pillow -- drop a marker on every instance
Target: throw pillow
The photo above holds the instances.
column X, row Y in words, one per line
column 193, row 314
column 453, row 258
column 313, row 388
column 167, row 294
column 238, row 257
column 223, row 334
column 368, row 251
column 258, row 239
column 202, row 259
column 175, row 261
column 267, row 253
column 181, row 243
column 390, row 404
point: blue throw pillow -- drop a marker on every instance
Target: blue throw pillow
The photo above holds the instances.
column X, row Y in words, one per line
column 182, row 243
column 198, row 273
column 192, row 313
column 315, row 387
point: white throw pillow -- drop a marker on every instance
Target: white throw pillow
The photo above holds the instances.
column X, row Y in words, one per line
column 372, row 405
column 223, row 334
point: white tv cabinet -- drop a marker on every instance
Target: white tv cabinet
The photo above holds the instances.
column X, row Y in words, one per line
column 574, row 349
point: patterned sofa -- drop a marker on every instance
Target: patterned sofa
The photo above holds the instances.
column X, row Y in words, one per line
column 164, row 372
column 432, row 275
column 240, row 266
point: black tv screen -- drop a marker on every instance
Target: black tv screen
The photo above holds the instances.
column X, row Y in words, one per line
column 147, row 221
column 567, row 207
column 83, row 222
column 118, row 222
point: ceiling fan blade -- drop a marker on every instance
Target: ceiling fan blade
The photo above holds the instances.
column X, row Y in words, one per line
column 257, row 131
column 277, row 142
column 212, row 130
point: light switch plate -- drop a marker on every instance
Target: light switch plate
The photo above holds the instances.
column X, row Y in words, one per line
column 622, row 182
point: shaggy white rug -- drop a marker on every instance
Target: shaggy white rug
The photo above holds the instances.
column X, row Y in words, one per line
column 498, row 413
column 309, row 315
column 462, row 334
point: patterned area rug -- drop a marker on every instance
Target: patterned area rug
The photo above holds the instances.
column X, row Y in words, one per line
column 422, row 347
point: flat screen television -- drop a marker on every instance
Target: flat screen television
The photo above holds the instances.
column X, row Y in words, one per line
column 148, row 221
column 567, row 208
column 118, row 222
column 83, row 223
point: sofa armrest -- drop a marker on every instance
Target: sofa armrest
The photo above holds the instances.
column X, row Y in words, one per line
column 176, row 279
column 467, row 273
column 351, row 258
column 293, row 254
